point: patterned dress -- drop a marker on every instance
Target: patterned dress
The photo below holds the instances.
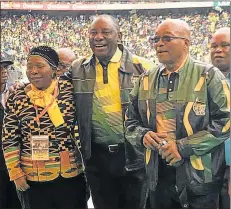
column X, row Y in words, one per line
column 65, row 158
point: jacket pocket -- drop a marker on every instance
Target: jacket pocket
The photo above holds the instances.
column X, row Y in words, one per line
column 194, row 172
column 199, row 169
column 196, row 162
column 134, row 156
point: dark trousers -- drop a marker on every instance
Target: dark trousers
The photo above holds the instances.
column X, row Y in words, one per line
column 166, row 197
column 111, row 186
column 224, row 196
column 62, row 193
column 8, row 196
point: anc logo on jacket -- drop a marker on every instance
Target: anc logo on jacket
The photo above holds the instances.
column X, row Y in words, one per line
column 199, row 107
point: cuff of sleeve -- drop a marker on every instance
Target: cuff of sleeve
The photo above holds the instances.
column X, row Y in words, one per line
column 14, row 175
column 143, row 132
column 184, row 148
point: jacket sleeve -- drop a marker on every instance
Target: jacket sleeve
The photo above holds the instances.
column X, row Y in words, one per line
column 135, row 129
column 218, row 128
column 69, row 74
column 11, row 140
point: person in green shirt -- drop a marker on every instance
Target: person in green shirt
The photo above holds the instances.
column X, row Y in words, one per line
column 179, row 112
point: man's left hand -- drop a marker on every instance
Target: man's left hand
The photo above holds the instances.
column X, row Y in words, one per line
column 170, row 152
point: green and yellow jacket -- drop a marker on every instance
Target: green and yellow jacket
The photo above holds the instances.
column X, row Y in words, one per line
column 83, row 76
column 202, row 125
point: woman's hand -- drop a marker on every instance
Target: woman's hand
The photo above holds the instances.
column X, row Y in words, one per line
column 21, row 184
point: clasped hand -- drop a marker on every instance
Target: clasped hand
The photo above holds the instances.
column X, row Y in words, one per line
column 168, row 151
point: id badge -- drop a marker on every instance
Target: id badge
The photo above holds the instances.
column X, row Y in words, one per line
column 40, row 147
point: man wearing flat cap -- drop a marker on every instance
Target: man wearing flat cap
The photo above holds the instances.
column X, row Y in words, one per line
column 8, row 197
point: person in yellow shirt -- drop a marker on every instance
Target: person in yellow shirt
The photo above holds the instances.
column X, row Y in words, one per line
column 102, row 82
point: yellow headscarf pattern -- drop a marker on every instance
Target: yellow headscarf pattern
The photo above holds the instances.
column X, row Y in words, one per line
column 47, row 99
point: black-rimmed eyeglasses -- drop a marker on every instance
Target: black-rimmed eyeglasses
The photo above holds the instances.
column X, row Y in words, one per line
column 165, row 39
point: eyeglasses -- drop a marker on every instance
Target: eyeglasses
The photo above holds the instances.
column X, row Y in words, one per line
column 64, row 66
column 165, row 39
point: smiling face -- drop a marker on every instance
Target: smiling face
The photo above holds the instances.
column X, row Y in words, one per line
column 39, row 72
column 220, row 50
column 174, row 51
column 103, row 38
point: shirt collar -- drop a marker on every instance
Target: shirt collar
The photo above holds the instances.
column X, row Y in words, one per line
column 166, row 72
column 115, row 58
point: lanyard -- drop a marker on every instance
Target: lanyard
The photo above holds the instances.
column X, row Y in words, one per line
column 38, row 116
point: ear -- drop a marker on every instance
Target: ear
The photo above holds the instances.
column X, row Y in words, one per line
column 120, row 36
column 187, row 43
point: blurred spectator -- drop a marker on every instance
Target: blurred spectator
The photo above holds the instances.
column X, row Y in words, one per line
column 8, row 196
column 66, row 57
column 99, row 1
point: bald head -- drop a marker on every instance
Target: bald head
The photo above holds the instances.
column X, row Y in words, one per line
column 220, row 49
column 66, row 57
column 180, row 27
column 171, row 42
column 224, row 30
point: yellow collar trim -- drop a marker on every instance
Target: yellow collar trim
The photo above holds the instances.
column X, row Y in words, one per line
column 115, row 58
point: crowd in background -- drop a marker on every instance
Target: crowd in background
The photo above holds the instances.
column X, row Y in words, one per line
column 21, row 32
column 97, row 1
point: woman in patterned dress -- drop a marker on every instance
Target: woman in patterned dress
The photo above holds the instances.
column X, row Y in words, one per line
column 40, row 138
